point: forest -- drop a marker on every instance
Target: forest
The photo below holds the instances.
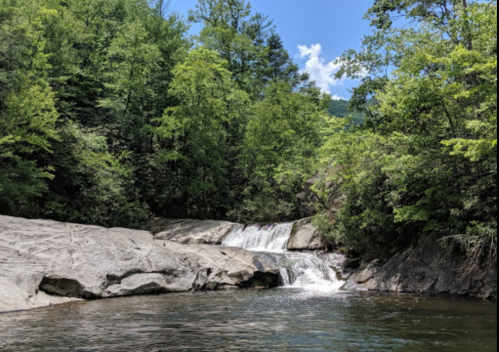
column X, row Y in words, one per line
column 112, row 112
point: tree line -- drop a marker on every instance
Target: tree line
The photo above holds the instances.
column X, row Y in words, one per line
column 111, row 112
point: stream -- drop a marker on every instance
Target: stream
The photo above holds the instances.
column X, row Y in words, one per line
column 280, row 320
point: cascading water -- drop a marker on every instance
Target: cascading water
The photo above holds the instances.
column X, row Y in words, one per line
column 307, row 271
column 310, row 272
column 269, row 238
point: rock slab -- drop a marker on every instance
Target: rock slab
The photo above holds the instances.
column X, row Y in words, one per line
column 191, row 231
column 47, row 262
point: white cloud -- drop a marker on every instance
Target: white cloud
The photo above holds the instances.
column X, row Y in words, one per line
column 320, row 71
column 337, row 97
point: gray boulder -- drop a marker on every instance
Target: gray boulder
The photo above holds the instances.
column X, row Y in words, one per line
column 190, row 231
column 46, row 262
column 427, row 268
column 306, row 237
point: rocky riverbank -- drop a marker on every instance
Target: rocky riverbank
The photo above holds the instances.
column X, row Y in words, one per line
column 427, row 268
column 46, row 262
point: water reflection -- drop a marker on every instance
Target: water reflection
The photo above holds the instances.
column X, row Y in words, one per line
column 279, row 320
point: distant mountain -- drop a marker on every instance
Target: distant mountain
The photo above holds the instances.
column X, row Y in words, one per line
column 340, row 108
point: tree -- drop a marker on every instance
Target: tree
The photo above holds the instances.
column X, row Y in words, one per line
column 277, row 64
column 210, row 109
column 28, row 116
column 129, row 66
column 278, row 153
column 27, row 127
column 238, row 37
column 79, row 85
column 109, row 116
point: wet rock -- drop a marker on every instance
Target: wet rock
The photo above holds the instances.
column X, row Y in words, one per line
column 191, row 231
column 339, row 262
column 306, row 237
column 46, row 262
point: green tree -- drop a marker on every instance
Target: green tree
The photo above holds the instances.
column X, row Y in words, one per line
column 200, row 128
column 130, row 62
column 27, row 127
column 239, row 37
column 278, row 153
column 103, row 68
column 28, row 115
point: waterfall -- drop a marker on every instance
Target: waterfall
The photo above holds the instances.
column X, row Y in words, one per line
column 268, row 238
column 308, row 271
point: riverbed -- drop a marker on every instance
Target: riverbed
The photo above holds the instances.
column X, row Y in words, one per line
column 280, row 320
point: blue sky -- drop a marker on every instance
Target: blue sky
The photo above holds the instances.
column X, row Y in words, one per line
column 315, row 32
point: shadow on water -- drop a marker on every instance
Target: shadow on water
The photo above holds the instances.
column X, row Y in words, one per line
column 280, row 320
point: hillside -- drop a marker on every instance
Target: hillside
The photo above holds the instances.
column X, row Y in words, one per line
column 340, row 108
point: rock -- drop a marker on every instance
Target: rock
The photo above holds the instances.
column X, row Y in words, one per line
column 46, row 262
column 191, row 231
column 339, row 262
column 427, row 268
column 306, row 237
column 13, row 298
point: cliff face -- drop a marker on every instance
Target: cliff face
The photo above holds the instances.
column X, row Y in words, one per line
column 46, row 262
column 427, row 268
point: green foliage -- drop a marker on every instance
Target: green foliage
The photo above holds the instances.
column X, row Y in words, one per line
column 109, row 115
column 426, row 160
column 91, row 185
column 210, row 112
column 279, row 152
column 28, row 115
column 79, row 83
column 248, row 42
column 227, row 29
column 329, row 228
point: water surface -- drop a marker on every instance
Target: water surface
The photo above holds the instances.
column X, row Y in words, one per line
column 282, row 320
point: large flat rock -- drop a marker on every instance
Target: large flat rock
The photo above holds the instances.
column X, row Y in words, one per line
column 190, row 231
column 47, row 262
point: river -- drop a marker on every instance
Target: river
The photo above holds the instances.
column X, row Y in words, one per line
column 310, row 313
column 280, row 320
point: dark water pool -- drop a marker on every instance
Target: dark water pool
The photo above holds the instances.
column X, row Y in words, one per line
column 278, row 320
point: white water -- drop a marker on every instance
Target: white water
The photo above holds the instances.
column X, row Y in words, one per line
column 269, row 238
column 311, row 272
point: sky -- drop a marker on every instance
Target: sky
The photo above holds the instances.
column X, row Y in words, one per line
column 315, row 32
